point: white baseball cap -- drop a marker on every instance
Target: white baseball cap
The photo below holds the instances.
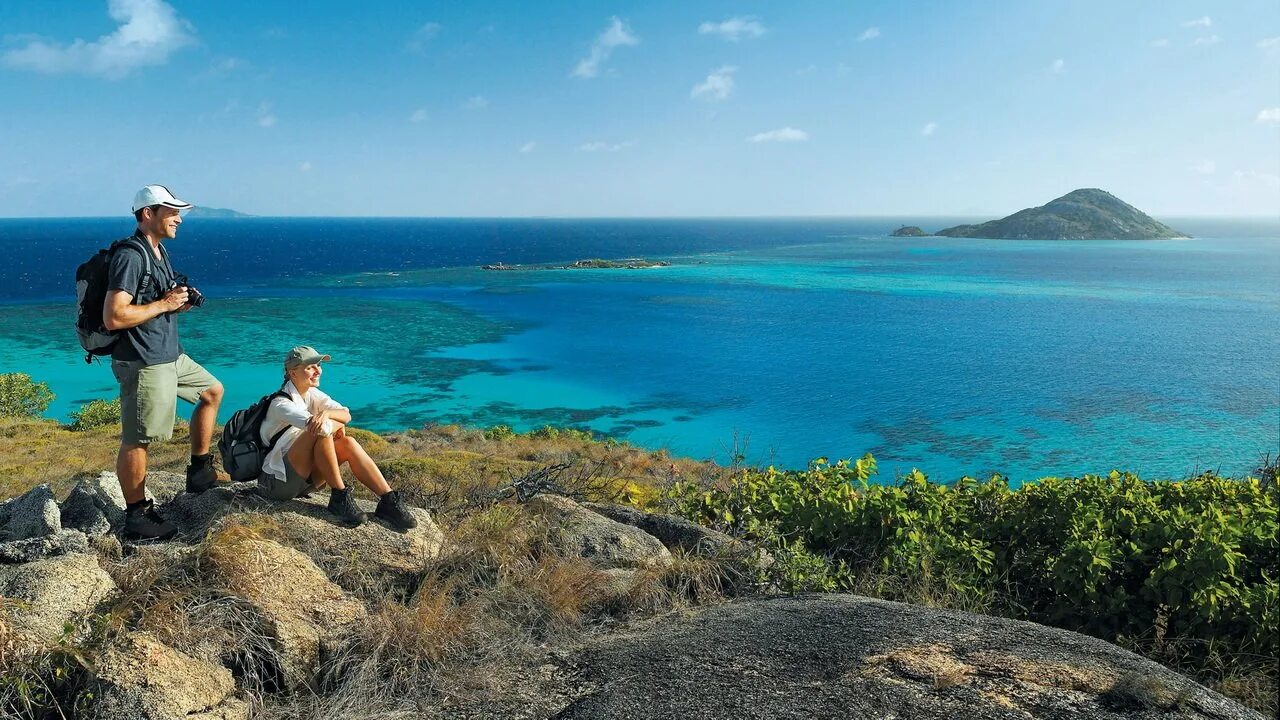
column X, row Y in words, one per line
column 158, row 195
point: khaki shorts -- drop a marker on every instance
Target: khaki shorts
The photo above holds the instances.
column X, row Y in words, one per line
column 293, row 485
column 149, row 396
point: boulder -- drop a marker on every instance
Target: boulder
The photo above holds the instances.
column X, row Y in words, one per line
column 140, row 678
column 54, row 592
column 36, row 548
column 305, row 614
column 844, row 656
column 33, row 514
column 81, row 511
column 577, row 531
column 350, row 554
column 674, row 532
column 104, row 493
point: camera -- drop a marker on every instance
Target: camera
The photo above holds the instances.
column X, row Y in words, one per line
column 195, row 298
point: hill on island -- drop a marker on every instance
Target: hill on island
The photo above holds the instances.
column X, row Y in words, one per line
column 1085, row 214
column 208, row 212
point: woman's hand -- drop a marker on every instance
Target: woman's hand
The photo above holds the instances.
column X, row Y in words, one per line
column 315, row 424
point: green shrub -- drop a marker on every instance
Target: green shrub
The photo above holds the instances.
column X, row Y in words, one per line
column 96, row 414
column 499, row 432
column 1109, row 555
column 21, row 397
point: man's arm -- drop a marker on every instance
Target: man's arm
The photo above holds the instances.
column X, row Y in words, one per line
column 119, row 312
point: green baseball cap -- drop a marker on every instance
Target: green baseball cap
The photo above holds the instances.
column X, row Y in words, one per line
column 302, row 356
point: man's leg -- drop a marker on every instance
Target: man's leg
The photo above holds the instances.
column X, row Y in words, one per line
column 195, row 385
column 131, row 469
column 203, row 419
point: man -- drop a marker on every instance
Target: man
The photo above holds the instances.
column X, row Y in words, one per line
column 143, row 302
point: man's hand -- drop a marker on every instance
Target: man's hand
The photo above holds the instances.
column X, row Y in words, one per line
column 175, row 299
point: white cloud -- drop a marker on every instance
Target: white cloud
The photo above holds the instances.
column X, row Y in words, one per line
column 528, row 147
column 1255, row 178
column 476, row 102
column 1162, row 42
column 1203, row 22
column 1207, row 40
column 1271, row 43
column 266, row 118
column 418, row 115
column 304, row 166
column 422, row 36
column 1208, row 167
column 734, row 29
column 786, row 134
column 598, row 146
column 717, row 86
column 616, row 34
column 1058, row 65
column 150, row 31
column 1269, row 116
column 870, row 33
column 929, row 129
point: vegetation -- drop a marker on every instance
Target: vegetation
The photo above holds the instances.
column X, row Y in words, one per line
column 96, row 414
column 1186, row 571
column 22, row 397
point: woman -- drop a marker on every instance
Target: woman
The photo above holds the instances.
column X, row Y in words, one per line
column 311, row 444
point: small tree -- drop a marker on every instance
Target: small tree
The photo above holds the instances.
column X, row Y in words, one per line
column 96, row 414
column 22, row 397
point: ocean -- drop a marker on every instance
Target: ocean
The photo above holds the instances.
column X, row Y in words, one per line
column 777, row 340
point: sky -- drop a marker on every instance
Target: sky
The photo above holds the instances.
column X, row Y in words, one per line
column 616, row 109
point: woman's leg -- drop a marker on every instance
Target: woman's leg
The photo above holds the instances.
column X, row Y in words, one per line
column 325, row 463
column 362, row 466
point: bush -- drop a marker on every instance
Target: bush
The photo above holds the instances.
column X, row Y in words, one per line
column 96, row 414
column 21, row 397
column 1110, row 555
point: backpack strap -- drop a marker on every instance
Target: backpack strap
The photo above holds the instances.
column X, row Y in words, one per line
column 133, row 242
column 276, row 438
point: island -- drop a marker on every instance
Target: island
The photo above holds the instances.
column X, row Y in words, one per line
column 209, row 212
column 1085, row 214
column 908, row 231
column 591, row 264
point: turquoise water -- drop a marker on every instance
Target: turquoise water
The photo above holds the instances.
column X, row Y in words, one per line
column 955, row 356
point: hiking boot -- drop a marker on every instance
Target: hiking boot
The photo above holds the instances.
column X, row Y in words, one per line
column 144, row 523
column 200, row 475
column 392, row 509
column 343, row 507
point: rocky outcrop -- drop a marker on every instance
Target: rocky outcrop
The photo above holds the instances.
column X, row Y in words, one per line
column 577, row 531
column 31, row 515
column 844, row 656
column 140, row 678
column 306, row 616
column 674, row 532
column 56, row 593
column 908, row 231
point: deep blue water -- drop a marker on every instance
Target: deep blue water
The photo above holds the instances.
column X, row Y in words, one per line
column 797, row 338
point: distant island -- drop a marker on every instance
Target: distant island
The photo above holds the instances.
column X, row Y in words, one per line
column 208, row 212
column 592, row 264
column 1085, row 214
column 908, row 231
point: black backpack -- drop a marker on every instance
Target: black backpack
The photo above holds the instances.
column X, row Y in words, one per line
column 91, row 296
column 241, row 443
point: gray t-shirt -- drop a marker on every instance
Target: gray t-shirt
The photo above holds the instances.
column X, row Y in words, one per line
column 156, row 340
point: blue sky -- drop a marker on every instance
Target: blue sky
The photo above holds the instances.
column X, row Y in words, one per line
column 638, row 109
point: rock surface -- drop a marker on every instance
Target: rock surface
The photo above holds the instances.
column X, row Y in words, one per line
column 33, row 514
column 306, row 615
column 672, row 531
column 1085, row 214
column 844, row 656
column 54, row 592
column 140, row 678
column 37, row 548
column 575, row 530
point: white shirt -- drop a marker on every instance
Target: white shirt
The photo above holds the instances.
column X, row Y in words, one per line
column 292, row 413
